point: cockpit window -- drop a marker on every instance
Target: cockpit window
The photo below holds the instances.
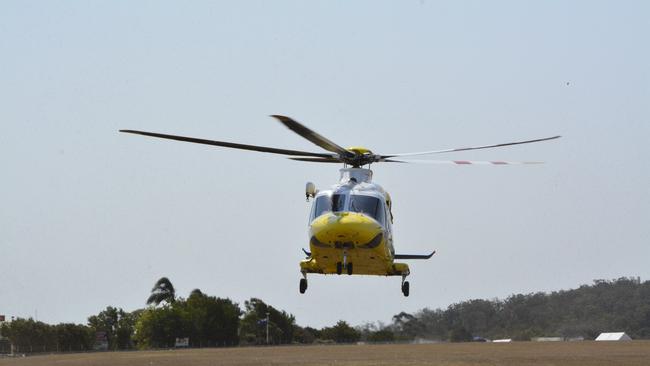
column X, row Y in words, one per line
column 323, row 204
column 368, row 205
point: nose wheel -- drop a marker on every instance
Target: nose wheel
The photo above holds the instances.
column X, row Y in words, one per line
column 340, row 266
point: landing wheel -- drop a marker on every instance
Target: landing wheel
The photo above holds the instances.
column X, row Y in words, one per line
column 303, row 285
column 339, row 268
column 349, row 268
column 405, row 288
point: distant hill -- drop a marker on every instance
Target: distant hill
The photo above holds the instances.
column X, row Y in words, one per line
column 617, row 305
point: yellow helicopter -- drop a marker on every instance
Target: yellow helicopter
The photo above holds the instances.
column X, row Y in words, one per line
column 350, row 225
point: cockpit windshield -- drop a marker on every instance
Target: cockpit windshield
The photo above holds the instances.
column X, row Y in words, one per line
column 368, row 205
column 333, row 203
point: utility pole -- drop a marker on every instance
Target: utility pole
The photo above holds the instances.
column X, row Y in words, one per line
column 267, row 328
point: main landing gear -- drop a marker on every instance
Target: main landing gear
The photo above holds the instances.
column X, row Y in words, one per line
column 405, row 287
column 303, row 283
column 348, row 267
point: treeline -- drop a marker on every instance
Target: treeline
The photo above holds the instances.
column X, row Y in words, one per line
column 606, row 306
column 208, row 321
column 29, row 336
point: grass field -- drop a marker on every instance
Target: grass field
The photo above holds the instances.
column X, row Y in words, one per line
column 518, row 353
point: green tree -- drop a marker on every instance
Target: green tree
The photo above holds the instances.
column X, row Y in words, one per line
column 214, row 321
column 163, row 290
column 342, row 332
column 253, row 324
column 303, row 335
column 407, row 326
column 207, row 321
column 74, row 337
column 376, row 333
column 159, row 327
column 28, row 336
column 118, row 325
column 196, row 292
column 460, row 334
column 381, row 336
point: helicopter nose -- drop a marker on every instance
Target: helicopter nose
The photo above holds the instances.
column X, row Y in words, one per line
column 345, row 230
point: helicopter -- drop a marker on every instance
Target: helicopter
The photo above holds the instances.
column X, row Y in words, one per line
column 350, row 225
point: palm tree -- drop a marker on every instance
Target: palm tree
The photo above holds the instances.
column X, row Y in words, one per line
column 163, row 290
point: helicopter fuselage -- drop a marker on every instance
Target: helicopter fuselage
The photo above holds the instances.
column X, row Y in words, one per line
column 350, row 229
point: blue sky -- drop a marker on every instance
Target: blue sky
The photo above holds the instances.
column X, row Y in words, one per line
column 90, row 217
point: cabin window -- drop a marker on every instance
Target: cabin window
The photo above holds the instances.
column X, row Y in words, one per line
column 323, row 204
column 368, row 205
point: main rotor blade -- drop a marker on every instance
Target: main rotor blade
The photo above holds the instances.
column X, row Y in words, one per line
column 318, row 160
column 312, row 136
column 462, row 162
column 471, row 148
column 232, row 145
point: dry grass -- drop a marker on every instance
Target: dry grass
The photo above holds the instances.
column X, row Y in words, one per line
column 519, row 353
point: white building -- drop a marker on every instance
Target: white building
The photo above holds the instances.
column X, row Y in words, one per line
column 547, row 339
column 619, row 336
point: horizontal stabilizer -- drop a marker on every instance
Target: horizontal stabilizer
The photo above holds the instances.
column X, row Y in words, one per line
column 414, row 256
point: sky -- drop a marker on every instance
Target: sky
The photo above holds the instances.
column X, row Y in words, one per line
column 90, row 217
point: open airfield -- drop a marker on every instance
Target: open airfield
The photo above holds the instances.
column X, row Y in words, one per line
column 458, row 100
column 517, row 353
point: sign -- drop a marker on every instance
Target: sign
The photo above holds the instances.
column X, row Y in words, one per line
column 2, row 318
column 101, row 341
column 182, row 343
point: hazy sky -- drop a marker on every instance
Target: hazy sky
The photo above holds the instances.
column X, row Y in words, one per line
column 90, row 217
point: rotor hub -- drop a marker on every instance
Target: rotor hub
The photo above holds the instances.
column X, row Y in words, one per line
column 358, row 156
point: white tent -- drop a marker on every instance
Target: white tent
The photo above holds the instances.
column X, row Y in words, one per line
column 508, row 340
column 620, row 336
